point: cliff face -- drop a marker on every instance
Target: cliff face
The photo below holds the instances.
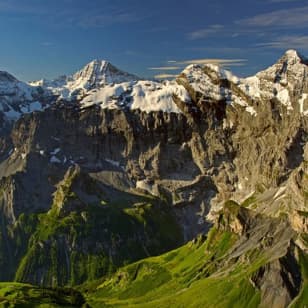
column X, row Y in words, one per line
column 73, row 175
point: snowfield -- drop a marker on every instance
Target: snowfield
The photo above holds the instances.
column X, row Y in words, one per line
column 100, row 83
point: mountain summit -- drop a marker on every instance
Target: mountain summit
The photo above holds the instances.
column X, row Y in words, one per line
column 99, row 170
column 101, row 83
column 294, row 56
column 98, row 73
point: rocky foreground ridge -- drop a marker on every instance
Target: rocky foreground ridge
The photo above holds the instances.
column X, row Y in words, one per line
column 101, row 169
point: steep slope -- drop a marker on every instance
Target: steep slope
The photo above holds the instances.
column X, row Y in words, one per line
column 247, row 260
column 173, row 152
column 285, row 81
column 92, row 229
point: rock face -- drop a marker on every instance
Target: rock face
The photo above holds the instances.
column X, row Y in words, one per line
column 271, row 240
column 160, row 157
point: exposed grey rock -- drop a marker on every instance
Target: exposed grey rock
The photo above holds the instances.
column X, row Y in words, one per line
column 235, row 139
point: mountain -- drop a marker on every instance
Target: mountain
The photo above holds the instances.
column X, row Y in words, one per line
column 96, row 74
column 284, row 80
column 17, row 98
column 115, row 170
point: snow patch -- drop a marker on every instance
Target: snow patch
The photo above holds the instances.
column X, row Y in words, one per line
column 251, row 110
column 251, row 86
column 283, row 96
column 143, row 95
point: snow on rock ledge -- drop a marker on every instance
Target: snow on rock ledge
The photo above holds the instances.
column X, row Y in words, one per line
column 143, row 95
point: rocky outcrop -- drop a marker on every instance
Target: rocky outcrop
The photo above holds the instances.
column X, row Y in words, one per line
column 268, row 244
column 226, row 138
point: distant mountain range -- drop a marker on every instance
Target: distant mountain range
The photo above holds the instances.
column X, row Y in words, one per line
column 116, row 190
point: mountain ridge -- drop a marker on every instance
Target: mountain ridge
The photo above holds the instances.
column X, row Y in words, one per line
column 137, row 168
column 99, row 82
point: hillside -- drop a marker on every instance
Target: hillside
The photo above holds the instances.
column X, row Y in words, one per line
column 100, row 170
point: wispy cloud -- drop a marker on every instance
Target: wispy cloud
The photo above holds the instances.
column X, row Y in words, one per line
column 293, row 18
column 13, row 6
column 288, row 41
column 165, row 76
column 266, row 25
column 202, row 33
column 164, row 68
column 69, row 15
column 182, row 64
column 225, row 50
column 233, row 30
column 221, row 62
column 93, row 20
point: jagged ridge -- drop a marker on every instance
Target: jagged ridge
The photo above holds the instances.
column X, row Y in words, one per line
column 221, row 143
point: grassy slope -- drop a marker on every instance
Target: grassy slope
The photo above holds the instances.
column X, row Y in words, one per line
column 198, row 274
column 108, row 224
column 25, row 295
column 82, row 242
column 181, row 278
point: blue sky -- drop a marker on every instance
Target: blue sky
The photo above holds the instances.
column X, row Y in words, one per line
column 50, row 38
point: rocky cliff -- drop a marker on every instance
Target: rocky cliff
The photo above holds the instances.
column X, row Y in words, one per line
column 128, row 168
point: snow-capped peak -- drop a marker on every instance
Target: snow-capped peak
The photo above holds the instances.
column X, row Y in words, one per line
column 92, row 72
column 210, row 69
column 208, row 80
column 98, row 73
column 290, row 68
column 286, row 80
column 293, row 56
column 102, row 84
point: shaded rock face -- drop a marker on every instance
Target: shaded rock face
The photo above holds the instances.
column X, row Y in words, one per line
column 268, row 244
column 93, row 228
column 115, row 150
column 225, row 144
column 279, row 281
column 153, row 148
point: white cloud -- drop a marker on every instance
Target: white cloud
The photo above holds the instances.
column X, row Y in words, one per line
column 222, row 62
column 286, row 42
column 292, row 18
column 225, row 50
column 165, row 76
column 202, row 33
column 166, row 68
